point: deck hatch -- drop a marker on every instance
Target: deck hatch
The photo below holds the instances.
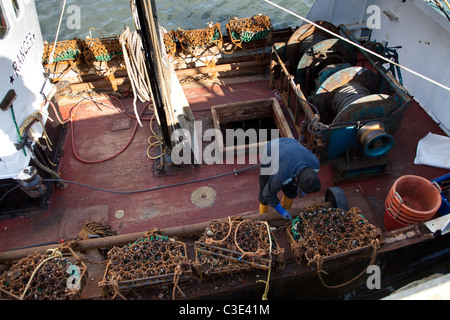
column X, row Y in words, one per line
column 255, row 114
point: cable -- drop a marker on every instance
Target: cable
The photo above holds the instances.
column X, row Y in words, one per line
column 108, row 158
column 57, row 33
column 122, row 108
column 43, row 167
column 359, row 46
column 8, row 192
column 311, row 41
column 73, row 111
column 143, row 190
column 157, row 188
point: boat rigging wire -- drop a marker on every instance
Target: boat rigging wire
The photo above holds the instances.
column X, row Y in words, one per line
column 358, row 45
column 57, row 32
column 8, row 192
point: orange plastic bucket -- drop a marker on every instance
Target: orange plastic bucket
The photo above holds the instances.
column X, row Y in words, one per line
column 411, row 199
column 397, row 211
column 390, row 222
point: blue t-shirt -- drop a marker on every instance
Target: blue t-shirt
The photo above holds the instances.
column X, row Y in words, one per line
column 293, row 157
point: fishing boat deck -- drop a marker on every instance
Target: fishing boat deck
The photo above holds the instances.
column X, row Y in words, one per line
column 99, row 132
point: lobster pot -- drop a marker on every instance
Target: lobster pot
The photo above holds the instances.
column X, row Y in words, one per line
column 150, row 261
column 57, row 275
column 249, row 29
column 411, row 199
column 235, row 246
column 330, row 234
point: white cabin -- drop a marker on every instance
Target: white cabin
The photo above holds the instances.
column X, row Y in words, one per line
column 22, row 76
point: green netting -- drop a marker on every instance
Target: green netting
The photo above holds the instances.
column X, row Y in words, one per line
column 107, row 57
column 248, row 36
column 69, row 54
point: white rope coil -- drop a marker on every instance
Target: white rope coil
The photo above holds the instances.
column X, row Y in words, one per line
column 134, row 58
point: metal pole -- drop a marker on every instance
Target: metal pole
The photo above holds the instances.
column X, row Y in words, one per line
column 146, row 10
column 180, row 231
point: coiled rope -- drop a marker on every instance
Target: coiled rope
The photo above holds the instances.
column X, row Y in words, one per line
column 133, row 55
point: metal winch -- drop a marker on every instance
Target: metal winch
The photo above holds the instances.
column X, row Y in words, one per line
column 350, row 111
column 311, row 50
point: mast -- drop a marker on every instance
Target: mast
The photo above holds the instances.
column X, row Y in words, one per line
column 171, row 106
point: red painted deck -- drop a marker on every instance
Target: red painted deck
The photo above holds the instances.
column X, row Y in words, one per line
column 134, row 170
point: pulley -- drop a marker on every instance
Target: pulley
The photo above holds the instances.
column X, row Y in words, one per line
column 30, row 182
column 376, row 142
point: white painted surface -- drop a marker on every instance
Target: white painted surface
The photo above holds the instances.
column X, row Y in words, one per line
column 21, row 70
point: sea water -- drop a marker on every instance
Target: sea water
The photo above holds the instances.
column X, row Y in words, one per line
column 99, row 18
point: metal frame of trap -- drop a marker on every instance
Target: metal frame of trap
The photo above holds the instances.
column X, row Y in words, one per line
column 246, row 34
column 72, row 294
column 107, row 286
column 298, row 252
column 239, row 261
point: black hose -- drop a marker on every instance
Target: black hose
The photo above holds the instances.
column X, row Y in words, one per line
column 8, row 192
column 157, row 188
column 59, row 180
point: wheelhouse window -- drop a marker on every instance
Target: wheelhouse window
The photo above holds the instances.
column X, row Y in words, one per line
column 3, row 23
column 16, row 7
